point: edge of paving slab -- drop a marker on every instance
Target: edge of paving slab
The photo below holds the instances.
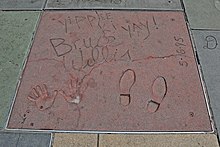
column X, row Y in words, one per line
column 180, row 8
column 23, row 67
column 3, row 128
column 203, row 80
column 21, row 9
column 113, row 9
column 51, row 139
column 205, row 92
column 199, row 66
column 111, row 132
column 204, row 88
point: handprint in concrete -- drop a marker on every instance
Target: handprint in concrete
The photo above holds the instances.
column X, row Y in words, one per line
column 76, row 88
column 41, row 97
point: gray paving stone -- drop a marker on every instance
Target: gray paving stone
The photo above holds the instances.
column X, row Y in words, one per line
column 203, row 14
column 16, row 32
column 24, row 139
column 208, row 48
column 114, row 4
column 22, row 4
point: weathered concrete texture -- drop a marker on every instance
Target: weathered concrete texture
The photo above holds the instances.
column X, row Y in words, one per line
column 21, row 4
column 24, row 139
column 111, row 71
column 75, row 140
column 17, row 30
column 115, row 4
column 208, row 48
column 191, row 140
column 203, row 14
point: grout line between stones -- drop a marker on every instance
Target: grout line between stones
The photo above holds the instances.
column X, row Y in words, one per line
column 17, row 10
column 204, row 29
column 114, row 9
column 110, row 132
column 97, row 140
column 45, row 4
column 184, row 10
column 51, row 139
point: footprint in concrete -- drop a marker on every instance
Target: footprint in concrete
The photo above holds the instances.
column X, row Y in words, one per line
column 159, row 90
column 127, row 80
column 217, row 4
column 41, row 97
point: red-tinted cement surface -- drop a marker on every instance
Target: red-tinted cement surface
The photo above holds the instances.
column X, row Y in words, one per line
column 111, row 71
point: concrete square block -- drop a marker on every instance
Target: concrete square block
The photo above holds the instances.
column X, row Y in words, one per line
column 24, row 139
column 174, row 140
column 208, row 48
column 111, row 71
column 17, row 30
column 22, row 4
column 75, row 140
column 203, row 14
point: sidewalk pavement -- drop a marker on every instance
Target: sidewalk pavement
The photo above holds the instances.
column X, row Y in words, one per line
column 109, row 73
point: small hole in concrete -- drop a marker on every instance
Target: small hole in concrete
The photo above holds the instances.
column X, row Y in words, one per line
column 191, row 114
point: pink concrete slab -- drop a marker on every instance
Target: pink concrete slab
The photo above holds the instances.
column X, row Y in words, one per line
column 111, row 71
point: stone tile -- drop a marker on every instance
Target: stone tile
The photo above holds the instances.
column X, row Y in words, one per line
column 189, row 140
column 208, row 48
column 21, row 4
column 24, row 139
column 111, row 71
column 203, row 14
column 17, row 30
column 75, row 140
column 115, row 4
